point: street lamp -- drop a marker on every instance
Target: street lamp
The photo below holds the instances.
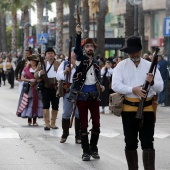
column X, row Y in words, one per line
column 135, row 3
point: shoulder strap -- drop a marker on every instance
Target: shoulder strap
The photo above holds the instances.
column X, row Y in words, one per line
column 50, row 67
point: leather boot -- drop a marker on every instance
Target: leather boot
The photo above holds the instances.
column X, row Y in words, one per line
column 46, row 115
column 77, row 131
column 85, row 147
column 54, row 114
column 93, row 145
column 65, row 127
column 132, row 159
column 149, row 159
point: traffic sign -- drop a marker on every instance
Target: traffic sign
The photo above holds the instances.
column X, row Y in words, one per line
column 42, row 38
column 167, row 26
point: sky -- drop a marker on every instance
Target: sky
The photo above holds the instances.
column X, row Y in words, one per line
column 51, row 14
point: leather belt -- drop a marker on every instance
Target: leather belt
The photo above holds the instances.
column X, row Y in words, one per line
column 136, row 104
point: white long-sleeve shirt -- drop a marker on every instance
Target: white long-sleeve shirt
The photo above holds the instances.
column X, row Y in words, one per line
column 127, row 75
column 109, row 72
column 60, row 73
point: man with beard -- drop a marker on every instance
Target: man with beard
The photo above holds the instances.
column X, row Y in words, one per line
column 128, row 77
column 86, row 84
column 20, row 66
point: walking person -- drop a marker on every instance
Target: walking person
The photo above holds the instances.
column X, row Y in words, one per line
column 33, row 107
column 1, row 71
column 49, row 82
column 162, row 66
column 9, row 68
column 62, row 73
column 20, row 66
column 106, row 74
column 127, row 79
column 87, row 85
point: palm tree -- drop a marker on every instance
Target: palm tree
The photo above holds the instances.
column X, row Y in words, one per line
column 141, row 27
column 40, row 9
column 59, row 26
column 103, row 9
column 129, row 21
column 3, row 40
column 85, row 19
column 72, row 20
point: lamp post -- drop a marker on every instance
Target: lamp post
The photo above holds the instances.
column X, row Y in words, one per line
column 135, row 3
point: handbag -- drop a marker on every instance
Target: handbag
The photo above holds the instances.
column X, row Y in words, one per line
column 116, row 103
column 39, row 86
column 26, row 87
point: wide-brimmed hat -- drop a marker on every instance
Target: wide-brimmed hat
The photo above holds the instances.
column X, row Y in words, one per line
column 133, row 44
column 33, row 57
column 49, row 50
column 88, row 41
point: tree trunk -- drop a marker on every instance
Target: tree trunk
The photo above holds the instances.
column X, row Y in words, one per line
column 103, row 9
column 72, row 20
column 59, row 26
column 142, row 28
column 129, row 20
column 14, row 31
column 85, row 19
column 26, row 26
column 40, row 8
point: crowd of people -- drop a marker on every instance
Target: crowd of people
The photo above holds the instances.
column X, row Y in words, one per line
column 85, row 82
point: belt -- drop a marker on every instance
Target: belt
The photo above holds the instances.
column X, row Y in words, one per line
column 136, row 104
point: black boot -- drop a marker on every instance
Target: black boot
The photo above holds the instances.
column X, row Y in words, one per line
column 65, row 127
column 77, row 131
column 132, row 159
column 149, row 159
column 93, row 144
column 85, row 147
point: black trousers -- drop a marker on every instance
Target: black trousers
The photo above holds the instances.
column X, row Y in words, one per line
column 49, row 97
column 132, row 130
column 10, row 77
column 2, row 76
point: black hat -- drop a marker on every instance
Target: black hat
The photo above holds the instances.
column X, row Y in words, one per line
column 28, row 49
column 49, row 50
column 133, row 44
column 110, row 59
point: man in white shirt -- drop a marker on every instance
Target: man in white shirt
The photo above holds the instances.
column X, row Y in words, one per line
column 47, row 75
column 129, row 75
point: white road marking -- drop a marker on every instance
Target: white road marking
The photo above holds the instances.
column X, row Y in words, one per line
column 108, row 133
column 8, row 133
column 9, row 121
column 161, row 135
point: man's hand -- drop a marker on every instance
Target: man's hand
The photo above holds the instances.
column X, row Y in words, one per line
column 67, row 69
column 42, row 72
column 102, row 88
column 78, row 29
column 149, row 78
column 139, row 91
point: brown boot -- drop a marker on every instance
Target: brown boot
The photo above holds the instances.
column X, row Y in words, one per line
column 149, row 159
column 65, row 127
column 46, row 115
column 132, row 159
column 54, row 114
